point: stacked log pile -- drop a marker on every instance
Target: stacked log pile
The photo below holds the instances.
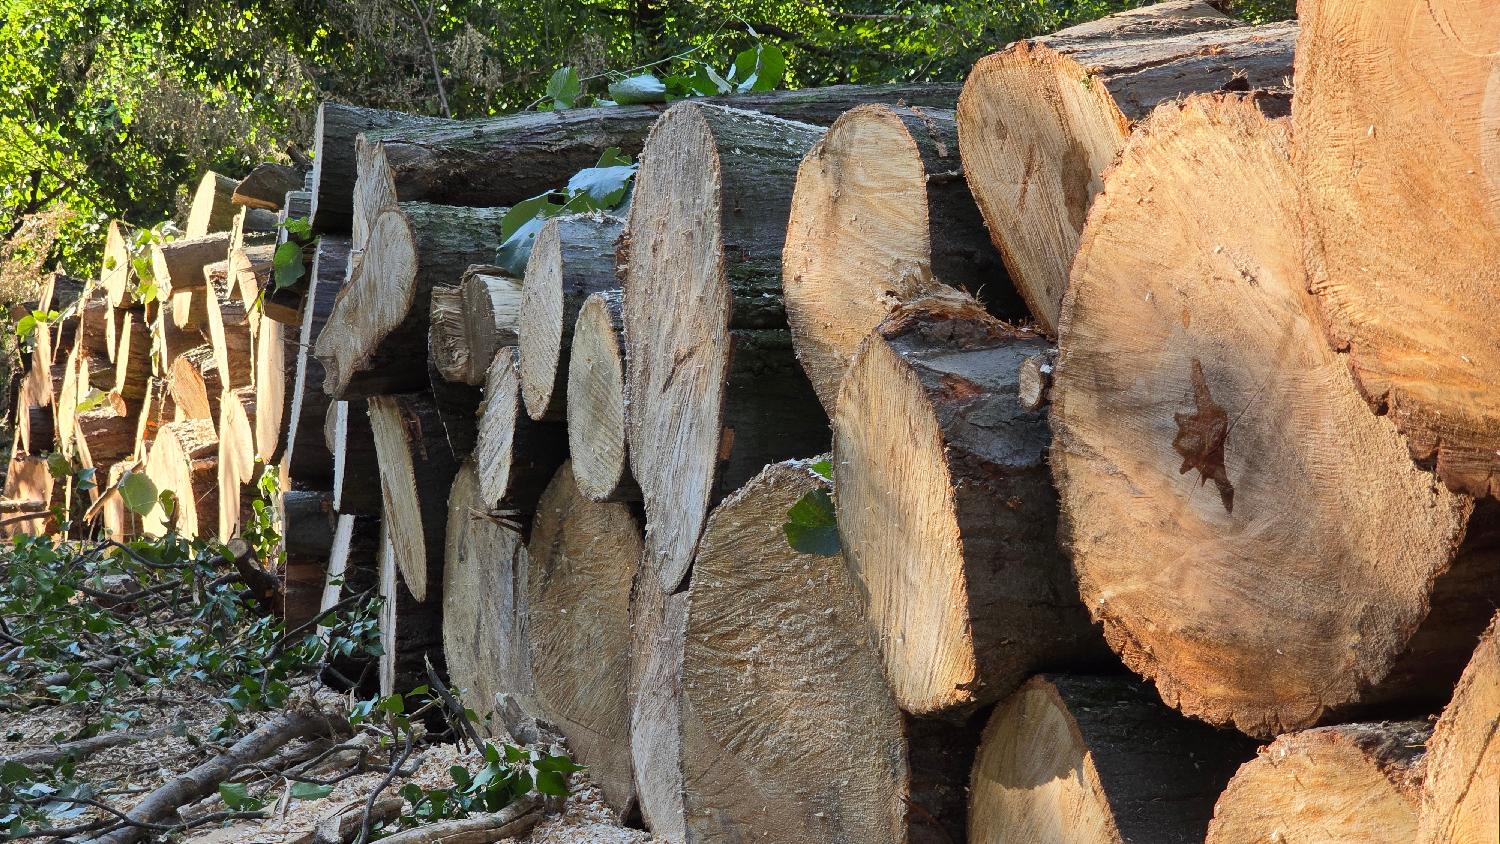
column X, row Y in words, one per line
column 1156, row 425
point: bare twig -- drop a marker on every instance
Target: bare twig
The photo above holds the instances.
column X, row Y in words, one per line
column 364, row 824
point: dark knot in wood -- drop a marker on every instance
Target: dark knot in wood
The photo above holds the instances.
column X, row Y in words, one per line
column 1200, row 438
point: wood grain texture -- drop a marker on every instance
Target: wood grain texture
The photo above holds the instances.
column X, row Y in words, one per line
column 1461, row 796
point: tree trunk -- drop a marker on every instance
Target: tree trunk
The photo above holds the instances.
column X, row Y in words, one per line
column 1097, row 760
column 117, row 274
column 1463, row 756
column 333, row 171
column 515, row 456
column 266, row 186
column 949, row 518
column 236, row 460
column 1040, row 121
column 571, row 258
column 183, row 459
column 213, row 207
column 576, row 627
column 481, row 631
column 701, row 256
column 1241, row 609
column 447, row 349
column 379, row 323
column 195, row 384
column 881, row 215
column 416, row 472
column 1399, row 201
column 596, row 401
column 1351, row 784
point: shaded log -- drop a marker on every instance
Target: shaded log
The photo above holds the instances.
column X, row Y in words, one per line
column 514, row 455
column 183, row 459
column 411, row 631
column 306, row 454
column 1459, row 803
column 168, row 341
column 157, row 409
column 333, row 172
column 457, row 401
column 266, row 186
column 416, row 473
column 596, row 401
column 178, row 264
column 213, row 207
column 103, row 436
column 1040, row 121
column 58, row 292
column 447, row 346
column 356, row 476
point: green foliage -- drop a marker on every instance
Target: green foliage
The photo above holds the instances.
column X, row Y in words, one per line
column 812, row 525
column 138, row 492
column 603, row 187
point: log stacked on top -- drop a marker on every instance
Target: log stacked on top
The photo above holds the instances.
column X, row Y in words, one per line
column 577, row 488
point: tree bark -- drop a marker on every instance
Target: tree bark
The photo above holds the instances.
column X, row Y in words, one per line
column 515, row 456
column 701, row 257
column 571, row 258
column 956, row 498
column 492, row 311
column 1040, row 121
column 183, row 459
column 1194, row 397
column 132, row 355
column 416, row 472
column 213, row 207
column 379, row 322
column 1463, row 755
column 880, row 216
column 333, row 172
column 266, row 186
column 1097, row 760
column 596, row 401
column 305, row 451
column 1350, row 784
column 1400, row 206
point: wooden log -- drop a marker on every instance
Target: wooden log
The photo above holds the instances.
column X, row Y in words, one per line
column 104, row 436
column 1040, row 121
column 117, row 274
column 93, row 318
column 58, row 292
column 230, row 331
column 457, row 401
column 1096, row 760
column 416, row 471
column 36, row 432
column 195, row 384
column 447, row 346
column 880, row 216
column 178, row 264
column 250, row 270
column 572, row 257
column 356, row 476
column 411, row 630
column 266, row 186
column 658, row 622
column 157, row 409
column 306, row 453
column 252, row 227
column 514, row 455
column 596, row 401
column 481, row 629
column 704, row 324
column 1190, row 406
column 168, row 341
column 236, row 460
column 575, row 588
column 1459, row 802
column 1350, row 784
column 283, row 303
column 133, row 355
column 183, row 459
column 28, row 479
column 334, row 132
column 492, row 311
column 957, row 497
column 378, row 327
column 1406, row 277
column 213, row 207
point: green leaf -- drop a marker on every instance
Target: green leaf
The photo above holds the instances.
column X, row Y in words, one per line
column 237, row 797
column 516, row 250
column 811, row 525
column 287, row 265
column 25, row 325
column 523, row 212
column 14, row 772
column 759, row 68
column 58, row 465
column 552, row 783
column 310, row 791
column 564, row 87
column 823, row 469
column 638, row 89
column 145, row 292
column 298, row 227
column 604, row 186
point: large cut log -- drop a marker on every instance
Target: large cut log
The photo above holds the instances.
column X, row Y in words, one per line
column 195, row 384
column 572, row 257
column 230, row 330
column 92, row 335
column 880, row 216
column 279, row 416
column 1459, row 798
column 212, row 208
column 447, row 348
column 236, row 460
column 1040, row 121
column 377, row 333
column 575, row 604
column 1097, row 760
column 267, row 185
column 492, row 311
column 27, row 479
column 103, row 436
column 132, row 354
column 183, row 460
column 596, row 401
column 515, row 456
column 956, row 498
column 1400, row 203
column 704, row 324
column 416, row 473
column 304, row 450
column 333, row 171
column 1350, row 784
column 1194, row 397
column 783, row 694
column 658, row 621
column 117, row 273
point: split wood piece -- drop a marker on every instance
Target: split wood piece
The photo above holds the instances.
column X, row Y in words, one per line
column 701, row 257
column 104, row 436
column 492, row 311
column 266, row 186
column 27, row 478
column 249, row 270
column 1034, row 380
column 1459, row 800
column 183, row 459
column 1040, row 121
column 658, row 621
column 94, row 314
column 956, row 498
column 515, row 456
column 481, row 630
column 35, row 431
column 1097, row 760
column 378, row 328
column 306, row 453
column 416, row 473
column 236, row 460
column 596, row 401
column 212, row 208
column 117, row 273
column 195, row 384
column 284, row 303
column 133, row 355
column 272, row 387
column 1191, row 405
column 252, row 227
column 178, row 264
column 881, row 215
column 457, row 401
column 572, row 257
column 169, row 341
column 783, row 694
column 1402, row 212
column 356, row 475
column 230, row 332
column 157, row 409
column 411, row 630
column 333, row 170
column 503, row 160
column 1350, row 784
column 81, row 370
column 187, row 310
column 576, row 601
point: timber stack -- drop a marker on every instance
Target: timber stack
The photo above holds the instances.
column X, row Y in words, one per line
column 1103, row 450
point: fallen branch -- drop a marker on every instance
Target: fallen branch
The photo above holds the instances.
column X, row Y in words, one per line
column 516, row 819
column 77, row 750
